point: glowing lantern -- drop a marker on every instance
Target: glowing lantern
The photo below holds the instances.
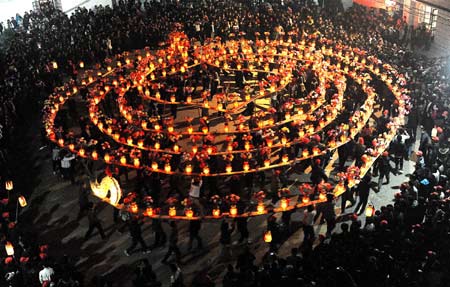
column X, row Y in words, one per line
column 269, row 142
column 283, row 140
column 246, row 166
column 190, row 129
column 188, row 169
column 247, row 146
column 71, row 147
column 129, row 141
column 316, row 151
column 157, row 127
column 172, row 99
column 209, row 150
column 94, row 155
column 305, row 153
column 157, row 145
column 188, row 99
column 260, row 207
column 154, row 165
column 170, row 129
column 61, row 142
column 140, row 143
column 54, row 65
column 167, row 167
column 267, row 163
column 285, row 158
column 109, row 130
column 370, row 210
column 22, row 201
column 136, row 162
column 322, row 196
column 206, row 170
column 205, row 130
column 189, row 212
column 287, row 116
column 81, row 152
column 228, row 168
column 216, row 212
column 9, row 248
column 172, row 211
column 116, row 136
column 305, row 199
column 123, row 160
column 107, row 158
column 268, row 236
column 133, row 207
column 284, row 203
column 194, row 149
column 225, row 128
column 176, row 148
column 233, row 210
column 149, row 211
column 81, row 65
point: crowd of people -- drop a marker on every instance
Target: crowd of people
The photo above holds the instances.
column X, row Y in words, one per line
column 402, row 244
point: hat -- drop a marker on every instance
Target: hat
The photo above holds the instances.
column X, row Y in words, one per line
column 24, row 259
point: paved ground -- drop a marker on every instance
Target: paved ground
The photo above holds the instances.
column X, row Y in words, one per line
column 55, row 208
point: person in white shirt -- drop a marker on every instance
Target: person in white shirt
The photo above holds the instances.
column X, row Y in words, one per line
column 46, row 274
column 308, row 223
column 194, row 193
column 67, row 167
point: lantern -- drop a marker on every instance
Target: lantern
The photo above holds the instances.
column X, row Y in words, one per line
column 157, row 127
column 190, row 129
column 206, row 170
column 216, row 212
column 260, row 207
column 157, row 145
column 144, row 125
column 54, row 65
column 136, row 162
column 9, row 185
column 267, row 163
column 246, row 166
column 149, row 211
column 322, row 196
column 61, row 142
column 188, row 99
column 370, row 210
column 305, row 199
column 172, row 99
column 154, row 165
column 305, row 153
column 225, row 128
column 189, row 212
column 205, row 130
column 107, row 158
column 81, row 64
column 167, row 168
column 123, row 160
column 285, row 158
column 172, row 211
column 170, row 129
column 140, row 143
column 194, row 149
column 268, row 236
column 228, row 168
column 176, row 148
column 9, row 248
column 22, row 201
column 94, row 155
column 284, row 203
column 81, row 152
column 129, row 141
column 188, row 169
column 247, row 146
column 133, row 207
column 233, row 210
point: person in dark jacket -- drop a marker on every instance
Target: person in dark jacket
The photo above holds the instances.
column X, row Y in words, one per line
column 225, row 240
column 94, row 222
column 173, row 243
column 194, row 229
column 363, row 191
column 136, row 236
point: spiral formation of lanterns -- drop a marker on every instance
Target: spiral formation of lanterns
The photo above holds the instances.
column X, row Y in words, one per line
column 135, row 83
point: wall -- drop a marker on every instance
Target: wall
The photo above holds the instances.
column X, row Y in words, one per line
column 70, row 5
column 9, row 8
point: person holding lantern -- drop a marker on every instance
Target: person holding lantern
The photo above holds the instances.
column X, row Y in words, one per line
column 134, row 226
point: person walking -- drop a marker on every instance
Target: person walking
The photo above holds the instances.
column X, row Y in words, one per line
column 67, row 167
column 94, row 222
column 83, row 200
column 136, row 236
column 194, row 230
column 329, row 214
column 225, row 240
column 308, row 223
column 363, row 191
column 173, row 243
column 241, row 226
column 160, row 235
